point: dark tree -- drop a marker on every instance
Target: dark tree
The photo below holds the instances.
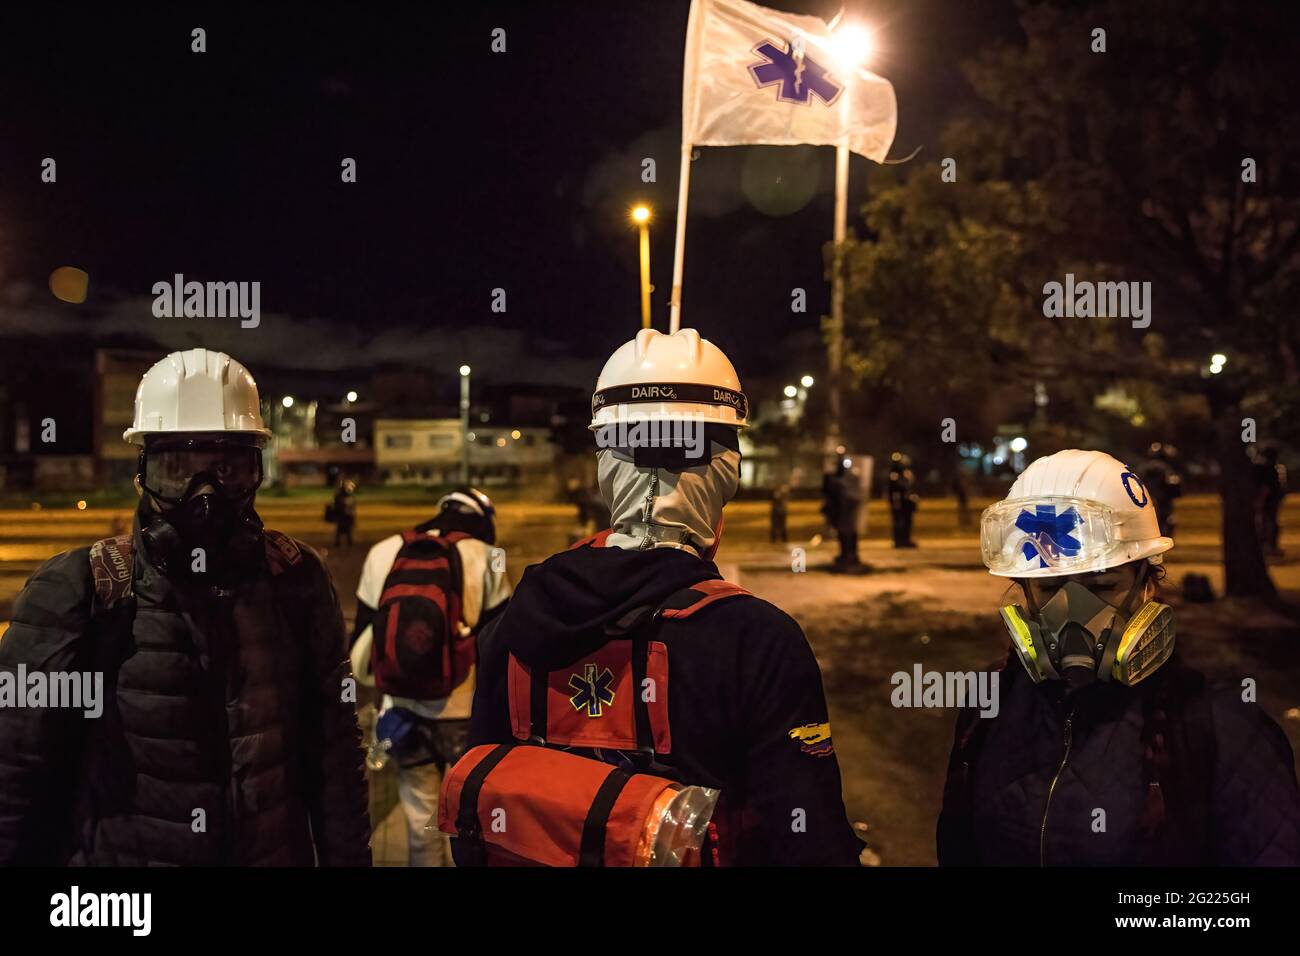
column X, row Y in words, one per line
column 1170, row 159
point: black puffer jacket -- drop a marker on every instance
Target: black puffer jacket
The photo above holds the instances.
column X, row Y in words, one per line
column 1169, row 772
column 225, row 736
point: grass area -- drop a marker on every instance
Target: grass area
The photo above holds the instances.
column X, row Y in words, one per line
column 125, row 496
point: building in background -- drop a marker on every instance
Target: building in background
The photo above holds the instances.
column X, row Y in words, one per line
column 417, row 451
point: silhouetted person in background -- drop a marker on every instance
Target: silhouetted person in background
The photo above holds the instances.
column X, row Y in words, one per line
column 1270, row 489
column 780, row 508
column 843, row 498
column 902, row 499
column 961, row 493
column 345, row 513
column 1163, row 483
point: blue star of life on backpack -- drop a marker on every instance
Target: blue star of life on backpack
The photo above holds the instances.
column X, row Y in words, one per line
column 1044, row 524
column 593, row 691
column 799, row 76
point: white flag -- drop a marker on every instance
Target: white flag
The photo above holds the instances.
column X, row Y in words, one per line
column 755, row 75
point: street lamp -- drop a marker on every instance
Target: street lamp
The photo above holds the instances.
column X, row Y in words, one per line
column 464, row 424
column 791, row 391
column 287, row 401
column 352, row 397
column 806, row 381
column 641, row 216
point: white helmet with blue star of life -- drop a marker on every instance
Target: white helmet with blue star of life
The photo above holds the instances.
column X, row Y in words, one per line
column 1074, row 512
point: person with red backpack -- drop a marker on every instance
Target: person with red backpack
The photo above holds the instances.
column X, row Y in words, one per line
column 227, row 733
column 1105, row 748
column 634, row 708
column 423, row 596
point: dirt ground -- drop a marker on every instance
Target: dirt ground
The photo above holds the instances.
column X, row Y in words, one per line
column 924, row 609
column 934, row 606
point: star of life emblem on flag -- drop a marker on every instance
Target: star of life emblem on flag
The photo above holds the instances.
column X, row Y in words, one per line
column 797, row 76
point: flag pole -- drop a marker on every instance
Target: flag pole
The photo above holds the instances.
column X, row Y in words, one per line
column 679, row 246
column 835, row 345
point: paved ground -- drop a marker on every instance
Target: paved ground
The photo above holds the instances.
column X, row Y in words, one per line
column 934, row 606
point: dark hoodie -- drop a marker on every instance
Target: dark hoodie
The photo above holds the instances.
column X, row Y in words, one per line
column 744, row 695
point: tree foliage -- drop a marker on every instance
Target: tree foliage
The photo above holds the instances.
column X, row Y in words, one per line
column 1131, row 164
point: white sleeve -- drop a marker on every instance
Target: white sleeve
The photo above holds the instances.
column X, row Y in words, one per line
column 482, row 588
column 374, row 572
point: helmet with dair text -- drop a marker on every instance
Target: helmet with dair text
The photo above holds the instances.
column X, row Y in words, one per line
column 197, row 392
column 661, row 377
column 1073, row 512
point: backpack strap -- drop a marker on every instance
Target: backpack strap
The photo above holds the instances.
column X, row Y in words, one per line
column 111, row 563
column 596, row 540
column 282, row 552
column 451, row 539
column 688, row 601
column 469, row 827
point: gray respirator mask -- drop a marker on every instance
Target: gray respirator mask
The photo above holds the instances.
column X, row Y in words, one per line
column 1078, row 638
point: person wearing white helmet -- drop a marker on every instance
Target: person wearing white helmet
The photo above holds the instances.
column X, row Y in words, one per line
column 630, row 648
column 224, row 658
column 1105, row 748
column 425, row 735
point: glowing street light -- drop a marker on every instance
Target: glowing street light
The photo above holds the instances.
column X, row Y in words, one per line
column 852, row 45
column 791, row 391
column 287, row 401
column 641, row 216
column 352, row 396
column 806, row 381
column 465, row 435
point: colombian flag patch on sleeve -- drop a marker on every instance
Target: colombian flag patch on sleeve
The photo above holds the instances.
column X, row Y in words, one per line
column 814, row 739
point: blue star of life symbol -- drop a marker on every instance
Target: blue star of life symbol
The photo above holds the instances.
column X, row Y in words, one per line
column 592, row 690
column 1045, row 527
column 799, row 76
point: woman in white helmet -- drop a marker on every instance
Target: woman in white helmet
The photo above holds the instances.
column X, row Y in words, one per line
column 631, row 647
column 1105, row 749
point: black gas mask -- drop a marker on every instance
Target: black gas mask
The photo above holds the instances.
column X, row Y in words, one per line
column 203, row 491
column 1078, row 638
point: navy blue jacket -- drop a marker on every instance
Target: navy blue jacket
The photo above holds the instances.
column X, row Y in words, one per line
column 1169, row 772
column 743, row 694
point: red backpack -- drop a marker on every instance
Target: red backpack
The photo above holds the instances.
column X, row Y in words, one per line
column 418, row 649
column 554, row 796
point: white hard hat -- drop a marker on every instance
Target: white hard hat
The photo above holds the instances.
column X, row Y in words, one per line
column 666, row 377
column 471, row 498
column 196, row 391
column 1071, row 513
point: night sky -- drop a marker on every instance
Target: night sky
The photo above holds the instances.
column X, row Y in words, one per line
column 475, row 170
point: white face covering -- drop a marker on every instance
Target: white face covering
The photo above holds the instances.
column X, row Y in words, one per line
column 657, row 508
